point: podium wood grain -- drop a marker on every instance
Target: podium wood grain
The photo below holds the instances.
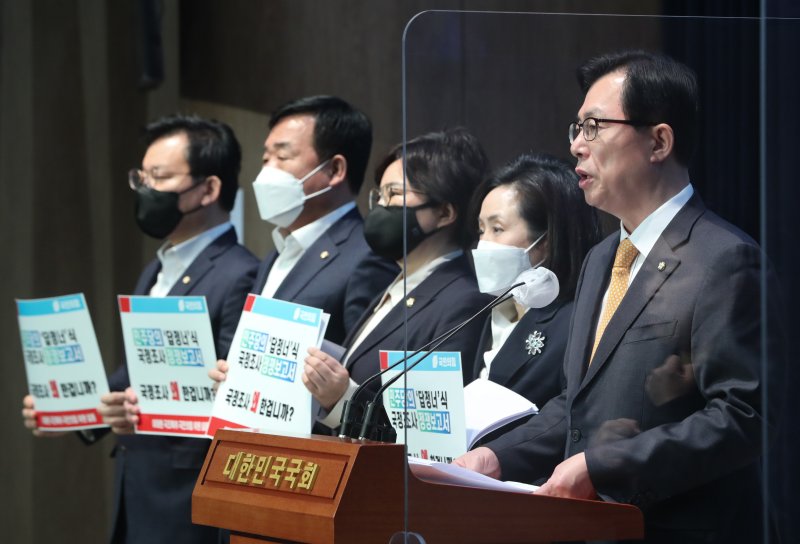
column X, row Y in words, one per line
column 357, row 496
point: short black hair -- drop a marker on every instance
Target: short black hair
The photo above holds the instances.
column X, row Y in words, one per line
column 447, row 166
column 549, row 200
column 657, row 89
column 339, row 128
column 213, row 150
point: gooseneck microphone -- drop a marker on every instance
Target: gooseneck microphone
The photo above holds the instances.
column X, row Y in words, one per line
column 368, row 425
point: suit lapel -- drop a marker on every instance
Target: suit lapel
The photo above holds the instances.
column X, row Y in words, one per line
column 202, row 264
column 316, row 258
column 655, row 271
column 392, row 322
column 514, row 349
column 416, row 301
column 646, row 283
column 483, row 346
column 587, row 307
column 148, row 278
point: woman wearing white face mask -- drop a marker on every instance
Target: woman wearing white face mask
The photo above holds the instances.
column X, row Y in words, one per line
column 532, row 214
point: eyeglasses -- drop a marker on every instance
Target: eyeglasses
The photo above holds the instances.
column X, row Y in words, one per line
column 590, row 128
column 139, row 178
column 380, row 196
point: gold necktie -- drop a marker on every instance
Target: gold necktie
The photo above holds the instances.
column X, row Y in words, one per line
column 621, row 271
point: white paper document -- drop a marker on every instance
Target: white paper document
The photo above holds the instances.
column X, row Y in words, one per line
column 445, row 473
column 489, row 406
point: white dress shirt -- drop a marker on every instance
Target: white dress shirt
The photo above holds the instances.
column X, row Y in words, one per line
column 292, row 247
column 645, row 236
column 504, row 319
column 176, row 259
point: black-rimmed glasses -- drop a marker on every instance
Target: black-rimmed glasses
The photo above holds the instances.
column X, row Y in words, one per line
column 380, row 196
column 589, row 126
column 138, row 178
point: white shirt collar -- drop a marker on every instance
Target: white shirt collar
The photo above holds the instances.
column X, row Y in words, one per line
column 504, row 319
column 306, row 235
column 418, row 276
column 645, row 236
column 187, row 251
column 175, row 260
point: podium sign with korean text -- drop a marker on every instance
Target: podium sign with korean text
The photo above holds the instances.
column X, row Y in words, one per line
column 263, row 389
column 62, row 361
column 169, row 349
column 429, row 411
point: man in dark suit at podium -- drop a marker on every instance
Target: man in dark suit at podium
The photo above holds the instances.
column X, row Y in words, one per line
column 663, row 405
column 185, row 190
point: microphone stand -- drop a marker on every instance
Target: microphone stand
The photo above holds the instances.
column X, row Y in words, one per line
column 368, row 424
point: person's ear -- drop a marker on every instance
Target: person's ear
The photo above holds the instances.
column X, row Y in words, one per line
column 663, row 142
column 338, row 170
column 212, row 190
column 447, row 215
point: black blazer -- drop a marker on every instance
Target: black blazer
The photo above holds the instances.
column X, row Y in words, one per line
column 444, row 299
column 684, row 450
column 155, row 475
column 338, row 274
column 536, row 376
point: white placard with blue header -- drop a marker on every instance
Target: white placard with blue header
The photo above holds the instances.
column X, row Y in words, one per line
column 263, row 389
column 62, row 361
column 169, row 349
column 427, row 407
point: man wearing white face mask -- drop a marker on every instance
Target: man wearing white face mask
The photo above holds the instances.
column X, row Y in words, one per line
column 314, row 160
column 534, row 225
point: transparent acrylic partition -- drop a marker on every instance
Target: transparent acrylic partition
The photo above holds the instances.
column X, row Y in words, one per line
column 684, row 435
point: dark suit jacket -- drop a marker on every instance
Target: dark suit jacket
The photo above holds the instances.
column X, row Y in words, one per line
column 338, row 274
column 536, row 376
column 681, row 445
column 155, row 475
column 444, row 299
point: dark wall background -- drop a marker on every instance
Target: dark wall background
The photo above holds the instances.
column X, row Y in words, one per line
column 74, row 94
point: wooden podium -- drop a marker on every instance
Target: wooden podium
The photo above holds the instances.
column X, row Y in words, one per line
column 267, row 488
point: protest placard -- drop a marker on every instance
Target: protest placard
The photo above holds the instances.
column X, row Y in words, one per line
column 263, row 389
column 62, row 362
column 426, row 408
column 169, row 348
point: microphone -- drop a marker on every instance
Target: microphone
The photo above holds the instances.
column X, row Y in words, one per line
column 347, row 417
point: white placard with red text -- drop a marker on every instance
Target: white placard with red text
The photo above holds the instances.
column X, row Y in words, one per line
column 427, row 407
column 263, row 389
column 62, row 361
column 169, row 349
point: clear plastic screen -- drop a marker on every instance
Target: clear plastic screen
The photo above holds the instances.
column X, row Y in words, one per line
column 509, row 78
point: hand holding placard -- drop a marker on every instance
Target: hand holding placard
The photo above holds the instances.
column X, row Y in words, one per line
column 65, row 372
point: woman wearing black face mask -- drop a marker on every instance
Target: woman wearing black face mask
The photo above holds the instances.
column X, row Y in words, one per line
column 442, row 171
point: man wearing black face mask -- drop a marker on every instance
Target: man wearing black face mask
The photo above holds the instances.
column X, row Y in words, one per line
column 184, row 192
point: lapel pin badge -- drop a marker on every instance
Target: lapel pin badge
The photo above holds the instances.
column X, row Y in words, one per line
column 410, row 301
column 534, row 344
column 186, row 280
column 324, row 254
column 661, row 266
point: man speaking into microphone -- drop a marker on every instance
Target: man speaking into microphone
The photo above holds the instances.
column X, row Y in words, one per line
column 663, row 404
